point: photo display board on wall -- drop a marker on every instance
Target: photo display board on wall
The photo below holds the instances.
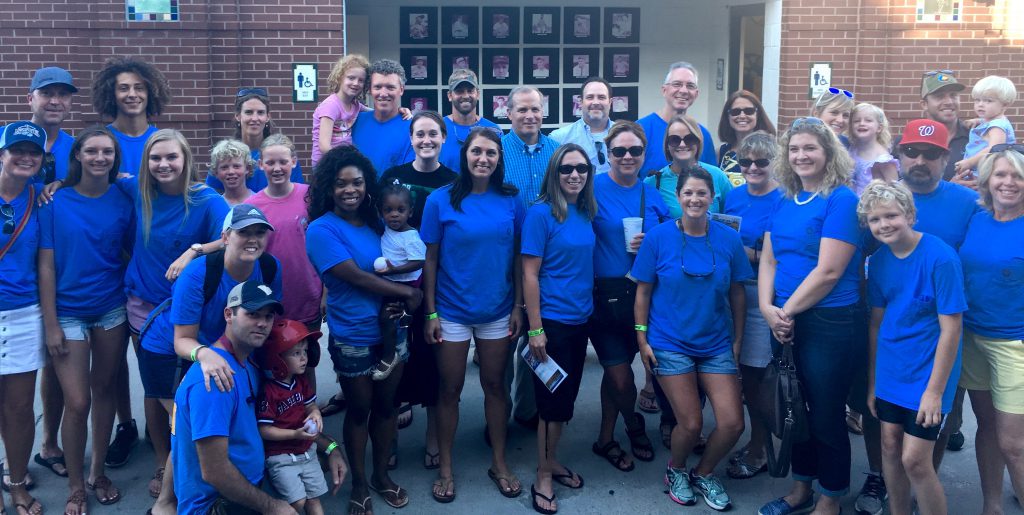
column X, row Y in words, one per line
column 552, row 48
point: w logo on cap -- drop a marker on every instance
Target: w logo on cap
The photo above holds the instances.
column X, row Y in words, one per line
column 926, row 130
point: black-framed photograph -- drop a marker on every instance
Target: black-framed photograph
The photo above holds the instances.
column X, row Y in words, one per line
column 582, row 25
column 572, row 105
column 621, row 64
column 579, row 64
column 420, row 99
column 418, row 25
column 624, row 103
column 549, row 99
column 500, row 25
column 456, row 58
column 541, row 25
column 494, row 105
column 460, row 25
column 621, row 25
column 420, row 66
column 540, row 65
column 500, row 66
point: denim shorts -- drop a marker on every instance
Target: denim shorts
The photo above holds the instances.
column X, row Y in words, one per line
column 673, row 363
column 357, row 361
column 77, row 328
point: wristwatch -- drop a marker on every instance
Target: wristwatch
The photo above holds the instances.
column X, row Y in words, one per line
column 197, row 248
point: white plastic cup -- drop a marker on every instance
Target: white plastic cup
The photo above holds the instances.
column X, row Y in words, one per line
column 632, row 226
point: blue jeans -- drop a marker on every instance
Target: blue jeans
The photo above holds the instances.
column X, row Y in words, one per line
column 826, row 342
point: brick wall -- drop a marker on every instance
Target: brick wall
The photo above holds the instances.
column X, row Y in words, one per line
column 217, row 46
column 879, row 52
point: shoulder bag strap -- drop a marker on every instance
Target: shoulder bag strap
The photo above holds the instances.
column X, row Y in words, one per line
column 23, row 222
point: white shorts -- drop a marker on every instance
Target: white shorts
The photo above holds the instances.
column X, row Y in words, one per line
column 22, row 348
column 456, row 332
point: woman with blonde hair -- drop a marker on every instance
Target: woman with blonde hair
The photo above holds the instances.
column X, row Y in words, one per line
column 834, row 107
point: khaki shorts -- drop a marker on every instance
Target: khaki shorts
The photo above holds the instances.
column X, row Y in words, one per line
column 995, row 365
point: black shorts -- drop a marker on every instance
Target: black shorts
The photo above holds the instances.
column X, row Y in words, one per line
column 893, row 414
column 160, row 373
column 567, row 345
column 612, row 328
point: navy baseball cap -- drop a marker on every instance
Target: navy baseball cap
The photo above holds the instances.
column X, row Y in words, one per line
column 23, row 131
column 244, row 215
column 51, row 75
column 253, row 296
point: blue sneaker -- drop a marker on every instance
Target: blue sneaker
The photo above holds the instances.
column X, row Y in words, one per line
column 679, row 489
column 712, row 490
column 781, row 507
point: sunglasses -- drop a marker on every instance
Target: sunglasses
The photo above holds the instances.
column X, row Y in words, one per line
column 1003, row 147
column 809, row 120
column 837, row 91
column 582, row 169
column 634, row 151
column 930, row 154
column 736, row 111
column 252, row 91
column 761, row 163
column 7, row 211
column 707, row 241
column 690, row 140
column 939, row 72
column 600, row 155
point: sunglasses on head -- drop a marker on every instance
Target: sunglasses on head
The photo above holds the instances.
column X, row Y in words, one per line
column 690, row 140
column 634, row 151
column 736, row 111
column 1003, row 147
column 761, row 163
column 251, row 91
column 837, row 91
column 7, row 211
column 581, row 168
column 939, row 72
column 809, row 120
column 930, row 153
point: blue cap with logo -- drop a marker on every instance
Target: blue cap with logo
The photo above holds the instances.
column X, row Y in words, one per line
column 244, row 215
column 52, row 75
column 23, row 131
column 253, row 296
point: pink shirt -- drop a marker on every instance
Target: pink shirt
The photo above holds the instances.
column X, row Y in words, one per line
column 343, row 120
column 287, row 242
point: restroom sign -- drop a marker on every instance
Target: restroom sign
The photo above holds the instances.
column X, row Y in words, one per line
column 303, row 82
column 820, row 79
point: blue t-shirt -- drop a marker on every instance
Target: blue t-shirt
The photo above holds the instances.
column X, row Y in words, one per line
column 756, row 211
column 614, row 203
column 187, row 307
column 946, row 212
column 386, row 144
column 258, row 181
column 796, row 233
column 655, row 128
column 89, row 263
column 691, row 314
column 171, row 233
column 200, row 414
column 457, row 135
column 976, row 142
column 476, row 247
column 914, row 291
column 19, row 282
column 993, row 261
column 131, row 149
column 567, row 267
column 351, row 311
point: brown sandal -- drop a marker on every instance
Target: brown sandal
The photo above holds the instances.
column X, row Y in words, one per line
column 509, row 480
column 104, row 484
column 77, row 498
column 157, row 483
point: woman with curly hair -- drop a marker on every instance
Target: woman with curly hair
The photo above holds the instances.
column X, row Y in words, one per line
column 131, row 91
column 742, row 115
column 808, row 291
column 342, row 242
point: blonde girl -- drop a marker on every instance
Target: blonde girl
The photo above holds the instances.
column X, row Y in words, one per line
column 335, row 116
column 870, row 140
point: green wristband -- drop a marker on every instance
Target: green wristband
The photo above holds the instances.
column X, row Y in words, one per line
column 432, row 316
column 640, row 327
column 535, row 332
column 330, row 448
column 195, row 352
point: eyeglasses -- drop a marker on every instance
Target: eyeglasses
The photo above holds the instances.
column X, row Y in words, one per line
column 7, row 211
column 836, row 91
column 600, row 155
column 691, row 86
column 809, row 120
column 939, row 72
column 581, row 168
column 707, row 241
column 634, row 151
column 930, row 153
column 736, row 111
column 761, row 163
column 690, row 140
column 1003, row 147
column 252, row 91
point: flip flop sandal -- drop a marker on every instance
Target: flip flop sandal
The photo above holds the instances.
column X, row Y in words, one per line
column 34, row 503
column 508, row 479
column 537, row 507
column 51, row 462
column 612, row 452
column 103, row 483
column 648, row 402
column 333, row 407
column 156, row 484
column 396, row 498
column 5, row 483
column 431, row 460
column 739, row 455
column 567, row 479
column 80, row 499
column 402, row 410
column 360, row 508
column 638, row 440
column 743, row 470
column 444, row 483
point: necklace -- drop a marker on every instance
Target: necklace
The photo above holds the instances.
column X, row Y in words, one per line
column 798, row 202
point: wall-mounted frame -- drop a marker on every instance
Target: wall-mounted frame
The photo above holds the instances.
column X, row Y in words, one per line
column 582, row 25
column 460, row 25
column 541, row 25
column 624, row 104
column 549, row 99
column 420, row 66
column 579, row 64
column 621, row 64
column 540, row 65
column 420, row 99
column 494, row 105
column 500, row 66
column 572, row 109
column 453, row 58
column 500, row 25
column 621, row 25
column 417, row 25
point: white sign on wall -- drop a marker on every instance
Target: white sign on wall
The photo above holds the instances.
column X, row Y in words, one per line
column 820, row 78
column 303, row 82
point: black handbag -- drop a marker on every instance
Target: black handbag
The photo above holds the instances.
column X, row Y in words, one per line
column 782, row 408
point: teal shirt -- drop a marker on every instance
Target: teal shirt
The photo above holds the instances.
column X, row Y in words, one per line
column 667, row 188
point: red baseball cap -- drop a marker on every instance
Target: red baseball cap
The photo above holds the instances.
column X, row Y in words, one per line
column 926, row 131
